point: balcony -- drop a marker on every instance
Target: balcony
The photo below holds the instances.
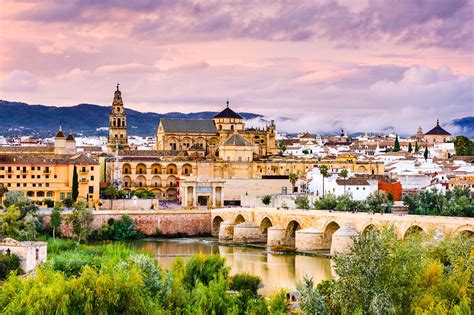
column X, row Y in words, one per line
column 83, row 171
column 24, row 171
column 83, row 180
column 46, row 171
column 9, row 171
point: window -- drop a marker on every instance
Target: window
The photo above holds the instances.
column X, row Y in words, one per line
column 40, row 185
column 17, row 168
column 92, row 168
column 47, row 184
column 24, row 176
column 39, row 176
column 18, row 185
column 34, row 185
column 62, row 196
column 92, row 177
column 47, row 176
column 91, row 189
column 32, row 168
column 2, row 168
column 83, row 168
column 32, row 176
column 69, row 195
column 24, row 184
column 2, row 176
column 49, row 194
column 17, row 176
column 38, row 168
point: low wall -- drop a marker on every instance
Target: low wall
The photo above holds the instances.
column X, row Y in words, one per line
column 148, row 222
column 128, row 204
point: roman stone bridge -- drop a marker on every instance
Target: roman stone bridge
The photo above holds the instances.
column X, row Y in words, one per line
column 310, row 230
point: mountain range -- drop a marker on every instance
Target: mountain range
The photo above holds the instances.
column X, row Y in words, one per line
column 21, row 119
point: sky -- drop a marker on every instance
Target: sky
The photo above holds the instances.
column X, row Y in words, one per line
column 361, row 65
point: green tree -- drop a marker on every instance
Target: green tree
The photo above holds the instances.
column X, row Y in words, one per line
column 81, row 220
column 267, row 199
column 11, row 223
column 302, row 202
column 30, row 227
column 281, row 146
column 396, row 146
column 328, row 202
column 75, row 184
column 311, row 301
column 67, row 202
column 3, row 191
column 463, row 146
column 111, row 192
column 378, row 201
column 293, row 179
column 417, row 147
column 55, row 219
column 324, row 172
column 410, row 148
column 22, row 203
column 426, row 153
column 344, row 173
column 9, row 263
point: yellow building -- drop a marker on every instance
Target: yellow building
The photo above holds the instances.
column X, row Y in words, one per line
column 162, row 171
column 42, row 177
column 45, row 172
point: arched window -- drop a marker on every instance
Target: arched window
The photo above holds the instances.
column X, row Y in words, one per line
column 231, row 127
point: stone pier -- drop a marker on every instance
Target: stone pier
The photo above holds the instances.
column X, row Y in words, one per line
column 309, row 239
column 343, row 239
column 275, row 236
column 226, row 231
column 247, row 232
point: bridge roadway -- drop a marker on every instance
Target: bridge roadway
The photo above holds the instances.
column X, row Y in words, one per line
column 309, row 230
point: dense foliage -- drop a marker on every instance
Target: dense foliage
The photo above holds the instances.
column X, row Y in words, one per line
column 377, row 201
column 302, row 202
column 384, row 275
column 119, row 230
column 458, row 202
column 114, row 279
column 9, row 263
column 463, row 146
column 266, row 200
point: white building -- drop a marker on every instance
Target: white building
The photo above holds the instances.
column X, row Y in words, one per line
column 359, row 188
column 31, row 254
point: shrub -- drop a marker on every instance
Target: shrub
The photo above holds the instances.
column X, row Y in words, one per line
column 302, row 202
column 9, row 263
column 278, row 302
column 328, row 202
column 246, row 282
column 266, row 200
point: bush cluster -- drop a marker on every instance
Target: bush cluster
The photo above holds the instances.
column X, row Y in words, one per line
column 9, row 263
column 383, row 275
column 119, row 230
column 458, row 202
column 114, row 279
column 377, row 201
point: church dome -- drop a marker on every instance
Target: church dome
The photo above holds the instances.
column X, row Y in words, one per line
column 228, row 113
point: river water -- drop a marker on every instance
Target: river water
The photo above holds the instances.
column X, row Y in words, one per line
column 276, row 270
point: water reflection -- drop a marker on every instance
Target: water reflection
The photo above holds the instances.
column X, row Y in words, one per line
column 276, row 271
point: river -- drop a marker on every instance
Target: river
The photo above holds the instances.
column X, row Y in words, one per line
column 276, row 270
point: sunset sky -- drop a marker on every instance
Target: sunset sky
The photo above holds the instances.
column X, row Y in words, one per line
column 354, row 64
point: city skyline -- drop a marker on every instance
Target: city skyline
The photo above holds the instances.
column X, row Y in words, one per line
column 363, row 65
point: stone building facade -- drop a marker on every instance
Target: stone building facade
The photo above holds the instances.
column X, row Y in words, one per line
column 210, row 134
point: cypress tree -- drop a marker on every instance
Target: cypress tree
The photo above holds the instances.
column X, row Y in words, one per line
column 396, row 146
column 410, row 147
column 75, row 184
column 417, row 147
column 426, row 153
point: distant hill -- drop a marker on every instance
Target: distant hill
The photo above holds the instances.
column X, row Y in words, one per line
column 21, row 119
column 464, row 126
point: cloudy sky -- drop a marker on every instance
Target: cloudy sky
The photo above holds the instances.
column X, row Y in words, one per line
column 353, row 64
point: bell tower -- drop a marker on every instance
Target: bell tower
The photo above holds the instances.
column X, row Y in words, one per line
column 117, row 124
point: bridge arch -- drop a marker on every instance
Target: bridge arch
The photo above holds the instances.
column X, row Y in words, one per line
column 290, row 231
column 329, row 229
column 239, row 219
column 264, row 225
column 467, row 229
column 369, row 227
column 412, row 230
column 216, row 224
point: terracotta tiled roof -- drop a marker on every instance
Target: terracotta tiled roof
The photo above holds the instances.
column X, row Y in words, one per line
column 49, row 159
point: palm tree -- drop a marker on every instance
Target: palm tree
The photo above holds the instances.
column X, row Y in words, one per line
column 3, row 191
column 325, row 172
column 344, row 174
column 112, row 192
column 293, row 179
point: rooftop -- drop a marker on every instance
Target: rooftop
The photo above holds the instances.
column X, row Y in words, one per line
column 188, row 125
column 437, row 130
column 228, row 113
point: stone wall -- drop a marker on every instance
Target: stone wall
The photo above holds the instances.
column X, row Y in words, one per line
column 128, row 204
column 148, row 222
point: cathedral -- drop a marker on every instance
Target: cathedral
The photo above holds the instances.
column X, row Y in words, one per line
column 209, row 136
column 224, row 136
